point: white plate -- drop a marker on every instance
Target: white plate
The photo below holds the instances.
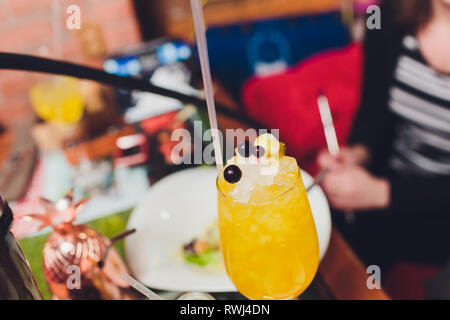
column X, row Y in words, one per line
column 179, row 208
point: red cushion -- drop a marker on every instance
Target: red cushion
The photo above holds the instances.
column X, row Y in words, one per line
column 288, row 101
column 406, row 281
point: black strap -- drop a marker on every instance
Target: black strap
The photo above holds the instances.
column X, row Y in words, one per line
column 38, row 64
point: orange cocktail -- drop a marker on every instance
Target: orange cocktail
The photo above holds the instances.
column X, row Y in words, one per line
column 268, row 237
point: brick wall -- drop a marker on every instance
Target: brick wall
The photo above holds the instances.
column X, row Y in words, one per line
column 26, row 27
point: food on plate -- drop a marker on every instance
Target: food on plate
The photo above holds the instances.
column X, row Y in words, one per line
column 205, row 249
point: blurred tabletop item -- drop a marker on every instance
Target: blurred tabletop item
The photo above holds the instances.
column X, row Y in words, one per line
column 16, row 280
column 18, row 156
column 99, row 111
column 99, row 147
column 78, row 249
column 58, row 100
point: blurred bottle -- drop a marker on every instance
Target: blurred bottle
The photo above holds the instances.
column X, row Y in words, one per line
column 16, row 279
column 59, row 100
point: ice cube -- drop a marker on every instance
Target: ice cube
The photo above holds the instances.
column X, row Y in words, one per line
column 262, row 178
column 287, row 173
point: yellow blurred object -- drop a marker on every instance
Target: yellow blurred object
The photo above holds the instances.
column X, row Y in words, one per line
column 59, row 100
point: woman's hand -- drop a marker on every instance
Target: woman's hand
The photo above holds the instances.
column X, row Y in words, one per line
column 351, row 187
column 355, row 155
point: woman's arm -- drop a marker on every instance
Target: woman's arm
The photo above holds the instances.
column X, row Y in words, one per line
column 354, row 188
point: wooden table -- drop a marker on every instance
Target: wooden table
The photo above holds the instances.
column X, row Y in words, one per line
column 344, row 274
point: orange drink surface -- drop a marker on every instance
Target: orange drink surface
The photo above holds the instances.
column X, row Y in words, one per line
column 268, row 237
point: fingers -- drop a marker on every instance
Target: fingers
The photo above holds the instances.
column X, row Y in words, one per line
column 344, row 158
column 335, row 186
column 332, row 184
column 327, row 161
column 351, row 187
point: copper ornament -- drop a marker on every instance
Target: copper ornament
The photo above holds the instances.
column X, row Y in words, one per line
column 75, row 266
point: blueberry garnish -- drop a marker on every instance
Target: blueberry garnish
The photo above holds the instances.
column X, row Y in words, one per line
column 232, row 174
column 245, row 149
column 259, row 151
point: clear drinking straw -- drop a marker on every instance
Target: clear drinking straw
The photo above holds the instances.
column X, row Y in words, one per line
column 200, row 35
column 140, row 287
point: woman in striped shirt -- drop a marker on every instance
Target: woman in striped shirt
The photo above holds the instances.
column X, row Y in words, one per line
column 395, row 174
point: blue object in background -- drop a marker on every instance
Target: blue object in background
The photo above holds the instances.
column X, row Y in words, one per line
column 238, row 52
column 149, row 57
column 123, row 66
column 172, row 52
column 143, row 60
